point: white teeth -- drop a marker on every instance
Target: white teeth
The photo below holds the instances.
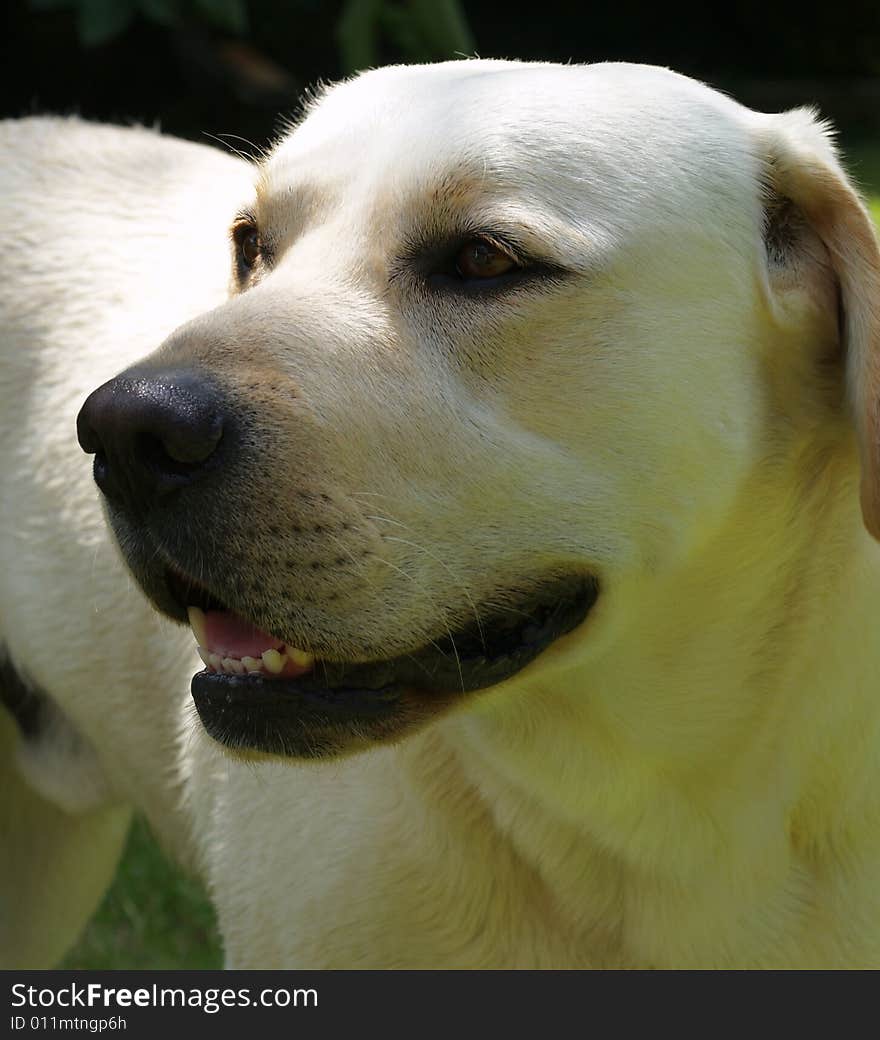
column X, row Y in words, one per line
column 299, row 657
column 197, row 624
column 273, row 661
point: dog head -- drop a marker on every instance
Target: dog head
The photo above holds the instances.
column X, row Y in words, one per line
column 505, row 341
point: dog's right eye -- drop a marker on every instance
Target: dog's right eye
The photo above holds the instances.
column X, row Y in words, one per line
column 248, row 245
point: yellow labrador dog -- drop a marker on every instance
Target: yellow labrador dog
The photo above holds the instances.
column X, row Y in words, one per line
column 520, row 499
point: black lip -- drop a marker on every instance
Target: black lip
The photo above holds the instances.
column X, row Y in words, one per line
column 295, row 720
column 339, row 705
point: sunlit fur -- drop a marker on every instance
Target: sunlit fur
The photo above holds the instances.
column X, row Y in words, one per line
column 689, row 780
column 120, row 235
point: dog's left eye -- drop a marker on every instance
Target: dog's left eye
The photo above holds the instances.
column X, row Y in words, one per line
column 481, row 264
column 482, row 258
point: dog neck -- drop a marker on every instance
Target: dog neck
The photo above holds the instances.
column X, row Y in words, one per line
column 696, row 779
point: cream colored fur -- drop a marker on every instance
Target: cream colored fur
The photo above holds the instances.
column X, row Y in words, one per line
column 120, row 235
column 689, row 779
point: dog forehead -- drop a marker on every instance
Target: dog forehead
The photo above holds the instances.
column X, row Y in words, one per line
column 590, row 157
column 617, row 129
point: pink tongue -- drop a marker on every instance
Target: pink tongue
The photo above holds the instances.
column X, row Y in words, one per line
column 231, row 636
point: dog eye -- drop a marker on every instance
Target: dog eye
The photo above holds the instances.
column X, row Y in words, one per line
column 479, row 264
column 482, row 258
column 248, row 246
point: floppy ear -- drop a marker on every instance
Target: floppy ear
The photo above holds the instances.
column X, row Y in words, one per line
column 801, row 168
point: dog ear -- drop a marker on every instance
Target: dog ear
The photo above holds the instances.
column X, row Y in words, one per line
column 806, row 183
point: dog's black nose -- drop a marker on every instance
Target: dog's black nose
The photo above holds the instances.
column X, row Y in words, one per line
column 151, row 433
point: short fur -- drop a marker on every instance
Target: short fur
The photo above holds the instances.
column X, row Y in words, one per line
column 689, row 779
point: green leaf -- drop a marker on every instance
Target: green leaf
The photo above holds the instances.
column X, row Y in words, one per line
column 356, row 33
column 400, row 28
column 165, row 12
column 228, row 14
column 422, row 30
column 100, row 20
column 443, row 27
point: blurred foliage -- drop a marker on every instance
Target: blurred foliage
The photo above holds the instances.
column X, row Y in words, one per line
column 152, row 917
column 217, row 66
column 421, row 30
column 98, row 21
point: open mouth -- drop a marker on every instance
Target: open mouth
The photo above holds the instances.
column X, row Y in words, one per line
column 258, row 693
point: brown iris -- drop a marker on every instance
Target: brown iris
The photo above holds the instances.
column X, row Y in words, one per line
column 481, row 258
column 247, row 243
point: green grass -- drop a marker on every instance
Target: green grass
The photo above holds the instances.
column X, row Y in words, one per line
column 153, row 916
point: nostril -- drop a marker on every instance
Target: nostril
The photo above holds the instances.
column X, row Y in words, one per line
column 152, row 433
column 170, row 456
column 100, row 468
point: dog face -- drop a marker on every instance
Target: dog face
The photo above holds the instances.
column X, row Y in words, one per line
column 503, row 347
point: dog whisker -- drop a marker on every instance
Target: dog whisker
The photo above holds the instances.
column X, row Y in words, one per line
column 452, row 574
column 505, row 608
column 399, row 570
column 257, row 155
column 388, row 520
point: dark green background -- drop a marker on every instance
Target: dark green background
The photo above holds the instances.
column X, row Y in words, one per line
column 172, row 68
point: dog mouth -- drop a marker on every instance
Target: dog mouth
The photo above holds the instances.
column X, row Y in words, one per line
column 258, row 693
